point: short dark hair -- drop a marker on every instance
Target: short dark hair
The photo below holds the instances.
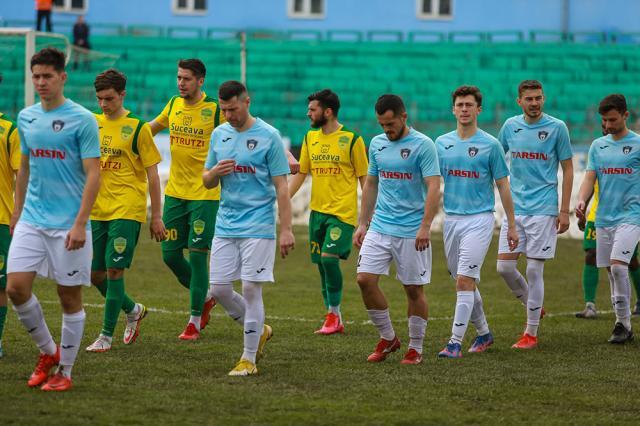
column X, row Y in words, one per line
column 231, row 88
column 327, row 99
column 110, row 79
column 49, row 56
column 466, row 91
column 615, row 101
column 196, row 66
column 389, row 102
column 528, row 85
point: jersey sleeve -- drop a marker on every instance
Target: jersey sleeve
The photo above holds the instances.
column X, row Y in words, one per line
column 23, row 142
column 89, row 138
column 305, row 162
column 276, row 158
column 373, row 164
column 14, row 148
column 147, row 149
column 428, row 159
column 163, row 117
column 502, row 137
column 359, row 157
column 591, row 159
column 563, row 146
column 211, row 156
column 498, row 163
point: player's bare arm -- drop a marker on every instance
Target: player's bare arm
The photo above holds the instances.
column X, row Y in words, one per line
column 431, row 203
column 504, row 190
column 211, row 177
column 296, row 182
column 562, row 223
column 156, row 127
column 369, row 197
column 22, row 180
column 156, row 227
column 294, row 165
column 585, row 193
column 287, row 240
column 77, row 235
column 362, row 180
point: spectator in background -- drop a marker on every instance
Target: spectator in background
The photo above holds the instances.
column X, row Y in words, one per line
column 43, row 9
column 81, row 40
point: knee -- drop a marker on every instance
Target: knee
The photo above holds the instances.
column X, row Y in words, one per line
column 365, row 282
column 534, row 270
column 97, row 278
column 506, row 267
column 115, row 274
column 415, row 293
column 17, row 294
column 329, row 261
column 171, row 257
column 619, row 271
column 221, row 292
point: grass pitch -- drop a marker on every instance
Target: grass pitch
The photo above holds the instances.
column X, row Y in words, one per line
column 574, row 376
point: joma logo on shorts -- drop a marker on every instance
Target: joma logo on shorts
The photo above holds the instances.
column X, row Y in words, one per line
column 48, row 153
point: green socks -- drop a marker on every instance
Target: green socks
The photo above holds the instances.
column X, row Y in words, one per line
column 3, row 318
column 333, row 275
column 323, row 283
column 635, row 278
column 112, row 306
column 127, row 303
column 590, row 277
column 199, row 284
column 175, row 260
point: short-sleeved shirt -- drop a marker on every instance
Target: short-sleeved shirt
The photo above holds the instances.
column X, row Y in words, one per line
column 617, row 167
column 127, row 149
column 536, row 150
column 248, row 195
column 335, row 162
column 469, row 168
column 190, row 128
column 9, row 165
column 56, row 142
column 401, row 167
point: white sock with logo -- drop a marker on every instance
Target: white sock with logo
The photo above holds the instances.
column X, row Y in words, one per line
column 232, row 302
column 621, row 300
column 508, row 269
column 417, row 330
column 382, row 320
column 253, row 319
column 72, row 330
column 535, row 271
column 478, row 318
column 464, row 306
column 31, row 316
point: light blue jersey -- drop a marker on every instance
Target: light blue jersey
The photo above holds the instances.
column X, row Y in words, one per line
column 617, row 166
column 56, row 142
column 536, row 150
column 401, row 167
column 248, row 195
column 469, row 167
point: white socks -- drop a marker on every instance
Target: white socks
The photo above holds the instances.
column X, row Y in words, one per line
column 232, row 302
column 31, row 316
column 620, row 295
column 417, row 329
column 72, row 330
column 464, row 306
column 535, row 270
column 253, row 320
column 478, row 318
column 195, row 320
column 514, row 279
column 382, row 321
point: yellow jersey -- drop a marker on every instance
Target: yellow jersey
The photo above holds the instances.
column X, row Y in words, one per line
column 190, row 128
column 9, row 165
column 335, row 162
column 126, row 150
column 591, row 217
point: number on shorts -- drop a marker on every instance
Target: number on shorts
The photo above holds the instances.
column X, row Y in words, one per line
column 315, row 247
column 171, row 234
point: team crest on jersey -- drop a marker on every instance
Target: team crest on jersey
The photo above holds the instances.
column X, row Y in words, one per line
column 626, row 149
column 120, row 245
column 542, row 135
column 335, row 233
column 206, row 114
column 473, row 151
column 405, row 153
column 186, row 120
column 1, row 261
column 126, row 132
column 251, row 144
column 57, row 125
column 198, row 226
column 325, row 149
column 343, row 141
column 106, row 140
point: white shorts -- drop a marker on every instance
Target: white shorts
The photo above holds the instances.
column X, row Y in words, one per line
column 537, row 236
column 616, row 243
column 43, row 251
column 466, row 241
column 378, row 250
column 247, row 259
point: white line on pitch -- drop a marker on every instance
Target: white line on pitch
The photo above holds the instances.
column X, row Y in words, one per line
column 297, row 319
